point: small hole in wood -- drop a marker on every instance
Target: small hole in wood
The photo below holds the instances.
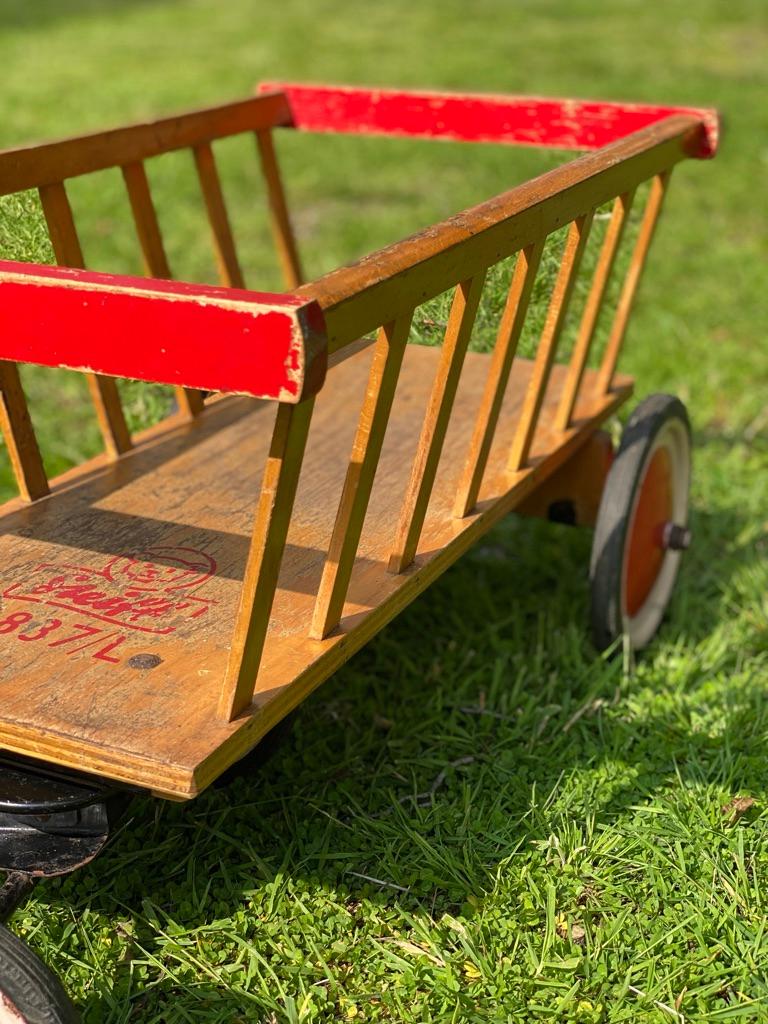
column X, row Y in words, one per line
column 144, row 661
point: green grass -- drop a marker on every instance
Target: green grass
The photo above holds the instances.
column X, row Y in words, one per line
column 477, row 819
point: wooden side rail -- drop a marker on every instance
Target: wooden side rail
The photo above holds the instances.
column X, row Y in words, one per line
column 221, row 339
column 476, row 117
column 46, row 163
column 263, row 345
column 380, row 287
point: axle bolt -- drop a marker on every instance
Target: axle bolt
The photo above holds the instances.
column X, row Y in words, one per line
column 675, row 537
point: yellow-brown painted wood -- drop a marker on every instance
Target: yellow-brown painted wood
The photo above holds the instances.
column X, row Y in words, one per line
column 366, row 448
column 282, row 230
column 153, row 252
column 273, row 516
column 454, row 348
column 68, row 253
column 50, row 162
column 61, row 225
column 227, row 263
column 19, row 435
column 613, row 236
column 579, row 482
column 376, row 289
column 632, row 280
column 557, row 311
column 137, row 701
column 145, row 219
column 508, row 335
column 109, row 413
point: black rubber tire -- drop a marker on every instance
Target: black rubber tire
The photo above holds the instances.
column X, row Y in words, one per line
column 34, row 991
column 609, row 623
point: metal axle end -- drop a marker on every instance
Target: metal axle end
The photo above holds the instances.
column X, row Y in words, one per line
column 676, row 537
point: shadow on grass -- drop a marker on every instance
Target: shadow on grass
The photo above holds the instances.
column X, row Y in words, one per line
column 437, row 753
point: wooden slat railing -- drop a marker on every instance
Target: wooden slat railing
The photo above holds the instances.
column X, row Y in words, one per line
column 382, row 292
column 357, row 299
column 507, row 338
column 366, row 449
column 575, row 244
column 636, row 266
column 457, row 335
column 619, row 216
column 47, row 163
column 47, row 167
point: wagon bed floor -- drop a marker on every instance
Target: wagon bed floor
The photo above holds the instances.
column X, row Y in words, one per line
column 119, row 590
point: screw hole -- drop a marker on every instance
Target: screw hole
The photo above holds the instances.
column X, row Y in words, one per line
column 144, row 661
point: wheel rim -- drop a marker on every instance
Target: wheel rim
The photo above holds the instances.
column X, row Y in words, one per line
column 645, row 552
column 9, row 1012
column 661, row 497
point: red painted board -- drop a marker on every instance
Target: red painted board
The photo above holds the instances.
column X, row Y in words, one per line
column 522, row 120
column 215, row 339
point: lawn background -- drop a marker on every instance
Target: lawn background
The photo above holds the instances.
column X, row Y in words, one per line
column 574, row 862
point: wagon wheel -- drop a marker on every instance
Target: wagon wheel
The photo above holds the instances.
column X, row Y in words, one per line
column 29, row 992
column 642, row 524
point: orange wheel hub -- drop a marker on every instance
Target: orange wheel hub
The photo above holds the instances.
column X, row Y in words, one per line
column 645, row 543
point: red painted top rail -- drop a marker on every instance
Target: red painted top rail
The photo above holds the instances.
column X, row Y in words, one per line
column 215, row 339
column 521, row 120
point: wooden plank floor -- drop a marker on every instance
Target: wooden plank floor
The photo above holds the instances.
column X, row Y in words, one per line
column 118, row 591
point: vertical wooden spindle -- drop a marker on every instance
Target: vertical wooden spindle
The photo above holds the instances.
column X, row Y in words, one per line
column 507, row 337
column 19, row 435
column 282, row 231
column 145, row 219
column 553, row 325
column 632, row 280
column 366, row 448
column 153, row 253
column 605, row 263
column 273, row 516
column 66, row 248
column 230, row 274
column 457, row 335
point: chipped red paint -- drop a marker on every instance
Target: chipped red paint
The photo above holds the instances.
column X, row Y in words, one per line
column 216, row 339
column 524, row 120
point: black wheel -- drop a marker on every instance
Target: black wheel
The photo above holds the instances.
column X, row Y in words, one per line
column 642, row 524
column 29, row 992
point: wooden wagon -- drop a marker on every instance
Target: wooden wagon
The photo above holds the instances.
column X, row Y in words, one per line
column 166, row 603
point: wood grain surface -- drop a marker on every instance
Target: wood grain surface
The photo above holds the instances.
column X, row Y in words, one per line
column 118, row 592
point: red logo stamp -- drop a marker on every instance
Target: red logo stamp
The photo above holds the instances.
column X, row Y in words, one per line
column 153, row 591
